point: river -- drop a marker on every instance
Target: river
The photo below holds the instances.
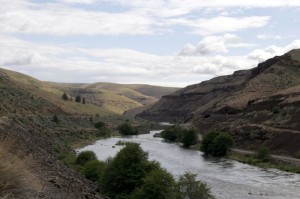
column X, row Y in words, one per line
column 228, row 179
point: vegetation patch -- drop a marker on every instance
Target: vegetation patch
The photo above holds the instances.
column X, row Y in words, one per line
column 130, row 175
column 216, row 143
column 260, row 161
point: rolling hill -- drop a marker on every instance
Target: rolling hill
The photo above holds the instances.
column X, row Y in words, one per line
column 101, row 98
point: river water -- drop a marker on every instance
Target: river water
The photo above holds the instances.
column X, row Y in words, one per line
column 227, row 179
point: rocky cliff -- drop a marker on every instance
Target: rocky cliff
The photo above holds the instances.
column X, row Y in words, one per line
column 259, row 106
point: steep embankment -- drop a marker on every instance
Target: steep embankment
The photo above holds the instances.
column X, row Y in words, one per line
column 259, row 106
column 27, row 126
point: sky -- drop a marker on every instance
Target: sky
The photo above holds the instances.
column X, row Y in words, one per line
column 160, row 42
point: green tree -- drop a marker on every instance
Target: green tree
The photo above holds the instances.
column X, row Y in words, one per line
column 172, row 133
column 65, row 97
column 125, row 171
column 85, row 157
column 221, row 145
column 127, row 129
column 158, row 184
column 189, row 137
column 190, row 188
column 207, row 141
column 93, row 170
column 83, row 100
column 216, row 143
column 78, row 98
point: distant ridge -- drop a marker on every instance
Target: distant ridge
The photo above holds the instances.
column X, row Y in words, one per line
column 268, row 95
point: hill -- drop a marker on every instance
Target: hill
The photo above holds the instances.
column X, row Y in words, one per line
column 259, row 106
column 39, row 143
column 101, row 98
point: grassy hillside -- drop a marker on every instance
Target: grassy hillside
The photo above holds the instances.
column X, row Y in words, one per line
column 101, row 98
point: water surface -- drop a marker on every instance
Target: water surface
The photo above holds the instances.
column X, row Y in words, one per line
column 228, row 179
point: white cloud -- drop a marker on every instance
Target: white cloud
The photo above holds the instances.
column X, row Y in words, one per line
column 214, row 44
column 76, row 64
column 267, row 36
column 80, row 1
column 228, row 24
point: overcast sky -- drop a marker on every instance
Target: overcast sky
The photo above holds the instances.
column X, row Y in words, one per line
column 161, row 42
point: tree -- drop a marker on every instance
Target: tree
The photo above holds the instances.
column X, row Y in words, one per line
column 207, row 141
column 93, row 170
column 85, row 157
column 157, row 184
column 125, row 171
column 78, row 98
column 189, row 137
column 172, row 133
column 216, row 143
column 83, row 101
column 127, row 129
column 65, row 97
column 189, row 188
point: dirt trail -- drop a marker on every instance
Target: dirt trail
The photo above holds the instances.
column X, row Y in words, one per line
column 291, row 160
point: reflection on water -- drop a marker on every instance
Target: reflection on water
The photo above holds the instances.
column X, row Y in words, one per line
column 228, row 179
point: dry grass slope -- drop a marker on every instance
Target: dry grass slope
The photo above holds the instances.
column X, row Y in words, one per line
column 16, row 179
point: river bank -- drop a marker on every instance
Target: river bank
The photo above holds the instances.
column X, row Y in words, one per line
column 227, row 178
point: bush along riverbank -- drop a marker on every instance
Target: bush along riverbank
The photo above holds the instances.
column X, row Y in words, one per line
column 263, row 159
column 219, row 144
column 130, row 174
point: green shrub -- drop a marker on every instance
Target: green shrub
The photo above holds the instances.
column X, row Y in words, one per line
column 157, row 184
column 93, row 170
column 172, row 133
column 216, row 143
column 100, row 125
column 125, row 171
column 65, row 97
column 263, row 154
column 127, row 129
column 190, row 188
column 189, row 137
column 85, row 157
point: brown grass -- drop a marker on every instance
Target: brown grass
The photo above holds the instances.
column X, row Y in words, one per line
column 16, row 180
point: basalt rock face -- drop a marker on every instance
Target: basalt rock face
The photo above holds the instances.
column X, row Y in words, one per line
column 259, row 106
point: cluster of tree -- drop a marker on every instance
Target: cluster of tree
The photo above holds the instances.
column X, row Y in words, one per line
column 176, row 133
column 216, row 143
column 77, row 98
column 127, row 129
column 131, row 175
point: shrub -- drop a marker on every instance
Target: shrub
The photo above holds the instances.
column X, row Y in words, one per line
column 172, row 133
column 127, row 129
column 93, row 170
column 157, row 184
column 83, row 101
column 190, row 188
column 100, row 125
column 125, row 171
column 78, row 98
column 263, row 154
column 216, row 143
column 85, row 157
column 65, row 97
column 55, row 119
column 189, row 137
column 207, row 141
